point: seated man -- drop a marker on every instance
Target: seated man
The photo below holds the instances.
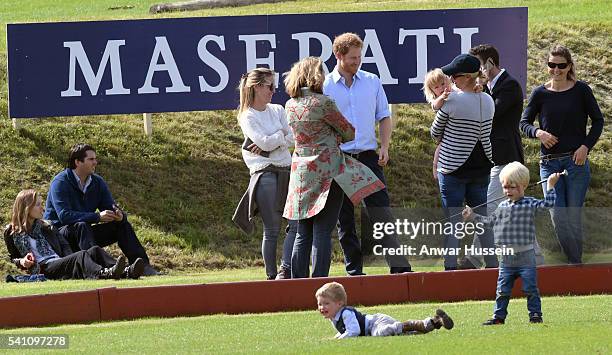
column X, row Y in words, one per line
column 80, row 206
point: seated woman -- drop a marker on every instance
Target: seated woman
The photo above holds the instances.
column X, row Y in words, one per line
column 38, row 249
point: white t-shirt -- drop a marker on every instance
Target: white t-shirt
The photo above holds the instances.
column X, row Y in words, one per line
column 269, row 130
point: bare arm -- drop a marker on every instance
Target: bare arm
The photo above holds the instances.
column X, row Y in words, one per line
column 385, row 128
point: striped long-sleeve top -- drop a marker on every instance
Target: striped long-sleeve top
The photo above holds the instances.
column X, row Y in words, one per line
column 463, row 121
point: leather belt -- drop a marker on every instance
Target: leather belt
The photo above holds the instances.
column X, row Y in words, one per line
column 556, row 156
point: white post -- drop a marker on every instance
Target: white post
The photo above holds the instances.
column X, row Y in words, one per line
column 393, row 108
column 16, row 124
column 148, row 124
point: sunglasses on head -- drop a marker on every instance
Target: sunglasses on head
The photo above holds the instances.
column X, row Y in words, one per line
column 552, row 65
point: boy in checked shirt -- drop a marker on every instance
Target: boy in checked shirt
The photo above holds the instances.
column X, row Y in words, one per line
column 514, row 228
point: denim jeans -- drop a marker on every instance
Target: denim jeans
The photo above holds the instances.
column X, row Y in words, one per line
column 454, row 192
column 512, row 267
column 314, row 237
column 265, row 196
column 567, row 214
column 290, row 233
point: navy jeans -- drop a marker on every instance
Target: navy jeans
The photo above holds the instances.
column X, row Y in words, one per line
column 377, row 207
column 314, row 234
column 567, row 214
column 454, row 192
column 521, row 265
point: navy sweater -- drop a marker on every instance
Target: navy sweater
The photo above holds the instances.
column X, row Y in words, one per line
column 67, row 204
column 564, row 114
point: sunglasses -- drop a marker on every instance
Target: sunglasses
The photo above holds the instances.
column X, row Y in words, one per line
column 552, row 65
column 455, row 76
column 271, row 87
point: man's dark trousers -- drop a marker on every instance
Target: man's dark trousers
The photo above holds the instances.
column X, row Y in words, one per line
column 377, row 205
column 82, row 236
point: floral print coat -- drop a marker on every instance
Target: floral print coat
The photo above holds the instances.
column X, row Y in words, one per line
column 319, row 128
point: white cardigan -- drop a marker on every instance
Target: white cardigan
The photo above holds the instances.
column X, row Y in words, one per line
column 269, row 130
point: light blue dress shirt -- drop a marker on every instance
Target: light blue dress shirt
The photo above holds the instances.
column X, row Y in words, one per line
column 78, row 179
column 363, row 104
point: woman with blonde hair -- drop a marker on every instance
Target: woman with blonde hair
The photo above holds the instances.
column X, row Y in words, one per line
column 266, row 153
column 563, row 106
column 463, row 127
column 35, row 247
column 320, row 171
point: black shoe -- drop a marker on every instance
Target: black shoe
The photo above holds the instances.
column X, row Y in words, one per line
column 443, row 320
column 400, row 270
column 466, row 264
column 119, row 266
column 283, row 274
column 536, row 318
column 115, row 271
column 135, row 270
column 494, row 321
column 149, row 271
column 356, row 273
column 451, row 268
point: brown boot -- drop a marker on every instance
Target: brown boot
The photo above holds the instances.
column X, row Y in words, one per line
column 441, row 319
column 417, row 326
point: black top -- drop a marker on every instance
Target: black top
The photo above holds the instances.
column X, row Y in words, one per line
column 476, row 165
column 505, row 136
column 564, row 115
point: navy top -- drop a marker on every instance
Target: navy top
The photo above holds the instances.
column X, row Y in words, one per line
column 67, row 204
column 564, row 115
column 341, row 328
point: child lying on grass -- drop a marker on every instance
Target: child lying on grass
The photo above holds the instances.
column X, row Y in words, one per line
column 331, row 300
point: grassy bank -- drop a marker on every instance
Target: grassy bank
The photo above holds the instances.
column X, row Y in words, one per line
column 181, row 185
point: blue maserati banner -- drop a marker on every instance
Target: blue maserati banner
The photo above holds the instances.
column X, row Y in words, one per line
column 192, row 64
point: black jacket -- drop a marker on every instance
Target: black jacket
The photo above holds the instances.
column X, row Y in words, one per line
column 505, row 137
column 58, row 243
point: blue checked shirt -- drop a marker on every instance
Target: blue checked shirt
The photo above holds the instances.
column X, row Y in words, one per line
column 514, row 222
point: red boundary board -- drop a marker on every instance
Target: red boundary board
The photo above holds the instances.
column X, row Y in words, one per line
column 286, row 295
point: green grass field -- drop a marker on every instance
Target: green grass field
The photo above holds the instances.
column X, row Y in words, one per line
column 572, row 325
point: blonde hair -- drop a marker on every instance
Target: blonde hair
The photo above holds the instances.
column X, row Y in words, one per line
column 333, row 291
column 308, row 72
column 432, row 78
column 515, row 173
column 344, row 42
column 248, row 81
column 24, row 202
column 561, row 51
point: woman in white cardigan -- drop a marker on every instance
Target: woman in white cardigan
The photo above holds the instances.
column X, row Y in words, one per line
column 266, row 154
